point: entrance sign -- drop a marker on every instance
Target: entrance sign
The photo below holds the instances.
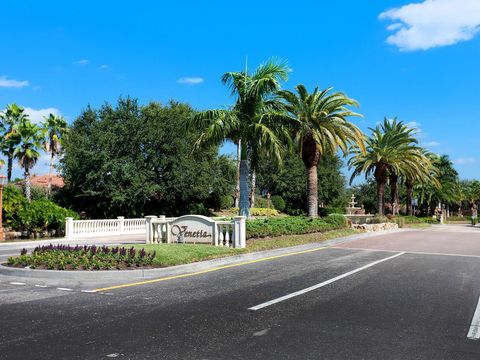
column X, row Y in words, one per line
column 196, row 229
column 191, row 229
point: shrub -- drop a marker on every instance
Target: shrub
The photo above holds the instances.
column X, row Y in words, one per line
column 293, row 225
column 261, row 202
column 379, row 219
column 66, row 257
column 43, row 215
column 260, row 212
column 330, row 210
column 38, row 193
column 13, row 203
column 278, row 202
column 226, row 202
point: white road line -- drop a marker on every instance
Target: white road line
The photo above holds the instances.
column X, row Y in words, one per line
column 65, row 289
column 406, row 252
column 17, row 283
column 88, row 291
column 474, row 332
column 41, row 286
column 315, row 287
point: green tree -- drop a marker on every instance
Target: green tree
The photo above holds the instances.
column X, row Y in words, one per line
column 29, row 138
column 10, row 119
column 289, row 182
column 55, row 128
column 134, row 161
column 320, row 127
column 248, row 121
column 391, row 149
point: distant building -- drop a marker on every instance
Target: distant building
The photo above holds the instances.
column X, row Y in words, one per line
column 42, row 181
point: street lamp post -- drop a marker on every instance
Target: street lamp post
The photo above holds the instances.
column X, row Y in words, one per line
column 3, row 181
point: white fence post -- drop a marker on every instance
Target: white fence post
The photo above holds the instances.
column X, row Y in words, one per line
column 240, row 232
column 121, row 224
column 68, row 227
column 149, row 226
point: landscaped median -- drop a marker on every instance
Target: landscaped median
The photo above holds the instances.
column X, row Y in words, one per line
column 262, row 234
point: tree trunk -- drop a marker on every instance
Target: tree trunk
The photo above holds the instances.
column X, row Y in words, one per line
column 312, row 184
column 394, row 193
column 244, row 205
column 311, row 157
column 253, row 189
column 237, row 187
column 381, row 197
column 9, row 167
column 28, row 190
column 49, row 186
column 409, row 187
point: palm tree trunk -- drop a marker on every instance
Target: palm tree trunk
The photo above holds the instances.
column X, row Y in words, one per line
column 381, row 197
column 409, row 187
column 237, row 187
column 244, row 205
column 312, row 185
column 253, row 189
column 311, row 157
column 49, row 186
column 394, row 193
column 28, row 190
column 9, row 167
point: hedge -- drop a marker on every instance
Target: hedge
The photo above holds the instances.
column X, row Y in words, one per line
column 293, row 226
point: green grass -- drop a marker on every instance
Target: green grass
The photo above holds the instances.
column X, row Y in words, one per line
column 417, row 226
column 178, row 254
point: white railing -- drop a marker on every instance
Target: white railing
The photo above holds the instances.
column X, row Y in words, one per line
column 104, row 227
column 196, row 229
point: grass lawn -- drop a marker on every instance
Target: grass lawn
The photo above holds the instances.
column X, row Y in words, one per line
column 417, row 226
column 177, row 254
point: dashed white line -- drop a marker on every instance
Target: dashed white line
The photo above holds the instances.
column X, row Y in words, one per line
column 41, row 286
column 88, row 291
column 64, row 289
column 474, row 332
column 17, row 283
column 315, row 287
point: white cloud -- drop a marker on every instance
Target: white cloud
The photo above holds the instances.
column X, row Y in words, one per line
column 37, row 116
column 10, row 83
column 465, row 161
column 433, row 23
column 190, row 80
column 104, row 67
column 82, row 62
column 432, row 144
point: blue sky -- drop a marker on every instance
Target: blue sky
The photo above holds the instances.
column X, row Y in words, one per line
column 415, row 60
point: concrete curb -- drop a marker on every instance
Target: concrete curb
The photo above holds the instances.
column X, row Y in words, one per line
column 107, row 275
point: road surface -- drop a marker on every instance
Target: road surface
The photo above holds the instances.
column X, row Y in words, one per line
column 410, row 295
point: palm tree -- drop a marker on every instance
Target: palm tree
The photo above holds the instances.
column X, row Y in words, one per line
column 444, row 187
column 55, row 128
column 391, row 149
column 10, row 119
column 247, row 121
column 29, row 138
column 320, row 126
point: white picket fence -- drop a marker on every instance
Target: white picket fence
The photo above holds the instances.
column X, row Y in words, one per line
column 104, row 227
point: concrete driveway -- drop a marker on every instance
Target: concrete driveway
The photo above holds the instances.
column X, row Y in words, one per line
column 410, row 295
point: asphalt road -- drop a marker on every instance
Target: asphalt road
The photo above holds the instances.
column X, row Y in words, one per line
column 399, row 296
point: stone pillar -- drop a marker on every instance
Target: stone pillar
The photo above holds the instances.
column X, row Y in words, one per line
column 68, row 227
column 160, row 231
column 121, row 224
column 239, row 231
column 149, row 232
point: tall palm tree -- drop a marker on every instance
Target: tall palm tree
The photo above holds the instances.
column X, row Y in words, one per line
column 55, row 128
column 248, row 120
column 391, row 148
column 444, row 186
column 10, row 119
column 319, row 124
column 29, row 139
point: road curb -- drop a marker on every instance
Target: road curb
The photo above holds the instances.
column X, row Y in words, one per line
column 106, row 275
